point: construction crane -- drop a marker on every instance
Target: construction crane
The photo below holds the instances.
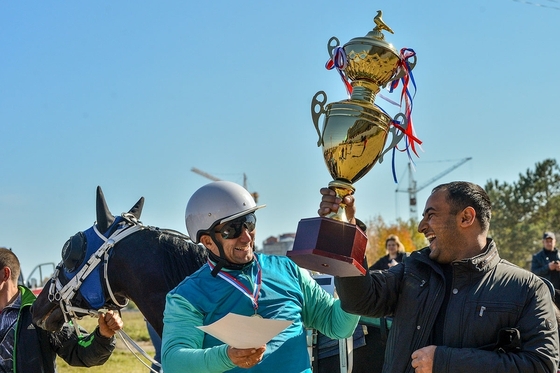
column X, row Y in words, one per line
column 413, row 188
column 214, row 178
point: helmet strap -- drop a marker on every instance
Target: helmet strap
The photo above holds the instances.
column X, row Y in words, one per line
column 221, row 263
column 220, row 260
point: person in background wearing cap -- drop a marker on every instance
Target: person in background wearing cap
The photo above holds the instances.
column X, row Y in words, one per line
column 546, row 262
column 221, row 216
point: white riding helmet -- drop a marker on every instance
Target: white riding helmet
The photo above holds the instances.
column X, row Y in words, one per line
column 217, row 203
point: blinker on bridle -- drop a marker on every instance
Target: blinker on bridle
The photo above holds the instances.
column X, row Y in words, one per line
column 74, row 251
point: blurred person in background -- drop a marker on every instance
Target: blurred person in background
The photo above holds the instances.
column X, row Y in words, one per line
column 546, row 262
column 395, row 254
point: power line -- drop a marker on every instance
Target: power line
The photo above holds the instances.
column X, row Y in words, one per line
column 540, row 5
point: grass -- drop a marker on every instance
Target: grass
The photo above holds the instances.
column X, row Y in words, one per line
column 122, row 360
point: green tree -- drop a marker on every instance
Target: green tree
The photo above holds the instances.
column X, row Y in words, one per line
column 540, row 191
column 523, row 210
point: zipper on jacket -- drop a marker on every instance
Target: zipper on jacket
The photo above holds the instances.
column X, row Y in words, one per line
column 420, row 279
column 423, row 328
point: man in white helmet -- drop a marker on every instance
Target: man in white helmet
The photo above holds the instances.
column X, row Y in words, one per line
column 220, row 216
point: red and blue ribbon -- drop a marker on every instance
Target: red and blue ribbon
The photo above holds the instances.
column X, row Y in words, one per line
column 339, row 61
column 406, row 98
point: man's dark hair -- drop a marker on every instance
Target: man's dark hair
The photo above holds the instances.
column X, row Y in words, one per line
column 9, row 259
column 462, row 194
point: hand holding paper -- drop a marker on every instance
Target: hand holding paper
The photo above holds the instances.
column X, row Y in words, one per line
column 246, row 357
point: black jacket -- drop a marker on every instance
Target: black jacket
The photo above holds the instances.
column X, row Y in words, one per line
column 36, row 349
column 488, row 294
column 539, row 266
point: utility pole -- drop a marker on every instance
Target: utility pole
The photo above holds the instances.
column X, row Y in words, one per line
column 413, row 189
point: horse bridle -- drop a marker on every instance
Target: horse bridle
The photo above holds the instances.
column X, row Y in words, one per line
column 64, row 294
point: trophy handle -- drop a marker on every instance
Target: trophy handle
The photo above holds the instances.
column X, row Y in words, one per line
column 331, row 46
column 396, row 137
column 318, row 108
column 402, row 72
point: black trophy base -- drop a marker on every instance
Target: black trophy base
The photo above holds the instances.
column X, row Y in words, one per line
column 329, row 246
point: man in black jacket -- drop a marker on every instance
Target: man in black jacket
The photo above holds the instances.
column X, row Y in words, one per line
column 25, row 348
column 546, row 262
column 456, row 306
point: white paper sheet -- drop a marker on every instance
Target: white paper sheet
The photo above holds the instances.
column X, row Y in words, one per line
column 243, row 331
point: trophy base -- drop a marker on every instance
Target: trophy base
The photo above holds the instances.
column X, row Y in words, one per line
column 329, row 246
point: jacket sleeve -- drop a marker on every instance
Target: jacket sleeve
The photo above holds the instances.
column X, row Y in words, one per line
column 539, row 265
column 86, row 350
column 373, row 295
column 324, row 313
column 182, row 341
column 538, row 351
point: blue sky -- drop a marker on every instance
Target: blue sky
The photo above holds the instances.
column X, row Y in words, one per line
column 130, row 95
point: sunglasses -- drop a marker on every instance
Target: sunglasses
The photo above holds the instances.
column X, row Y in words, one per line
column 234, row 228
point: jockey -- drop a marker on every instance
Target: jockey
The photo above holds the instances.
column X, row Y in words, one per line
column 221, row 216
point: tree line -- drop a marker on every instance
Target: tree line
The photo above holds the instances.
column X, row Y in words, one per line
column 521, row 212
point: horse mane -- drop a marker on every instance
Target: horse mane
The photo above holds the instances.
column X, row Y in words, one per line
column 148, row 264
column 180, row 258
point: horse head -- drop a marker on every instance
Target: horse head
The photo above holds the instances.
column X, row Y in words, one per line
column 87, row 293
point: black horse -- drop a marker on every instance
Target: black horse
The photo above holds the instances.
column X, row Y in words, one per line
column 143, row 267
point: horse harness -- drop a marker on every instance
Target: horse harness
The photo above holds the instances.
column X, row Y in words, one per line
column 64, row 294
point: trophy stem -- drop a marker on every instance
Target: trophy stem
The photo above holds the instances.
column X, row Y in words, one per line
column 342, row 189
column 361, row 93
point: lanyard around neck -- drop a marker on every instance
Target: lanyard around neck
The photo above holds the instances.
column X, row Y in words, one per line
column 253, row 294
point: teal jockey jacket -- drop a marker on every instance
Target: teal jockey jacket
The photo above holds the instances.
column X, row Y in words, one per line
column 286, row 293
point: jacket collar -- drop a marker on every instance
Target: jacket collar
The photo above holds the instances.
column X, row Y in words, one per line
column 485, row 261
column 27, row 296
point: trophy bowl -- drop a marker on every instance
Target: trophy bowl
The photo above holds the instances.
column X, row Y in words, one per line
column 354, row 135
column 371, row 62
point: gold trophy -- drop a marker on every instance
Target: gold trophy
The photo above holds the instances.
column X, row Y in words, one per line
column 353, row 139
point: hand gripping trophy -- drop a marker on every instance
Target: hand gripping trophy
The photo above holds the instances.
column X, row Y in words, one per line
column 353, row 139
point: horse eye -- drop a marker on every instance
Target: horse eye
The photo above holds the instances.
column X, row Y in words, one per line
column 74, row 251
